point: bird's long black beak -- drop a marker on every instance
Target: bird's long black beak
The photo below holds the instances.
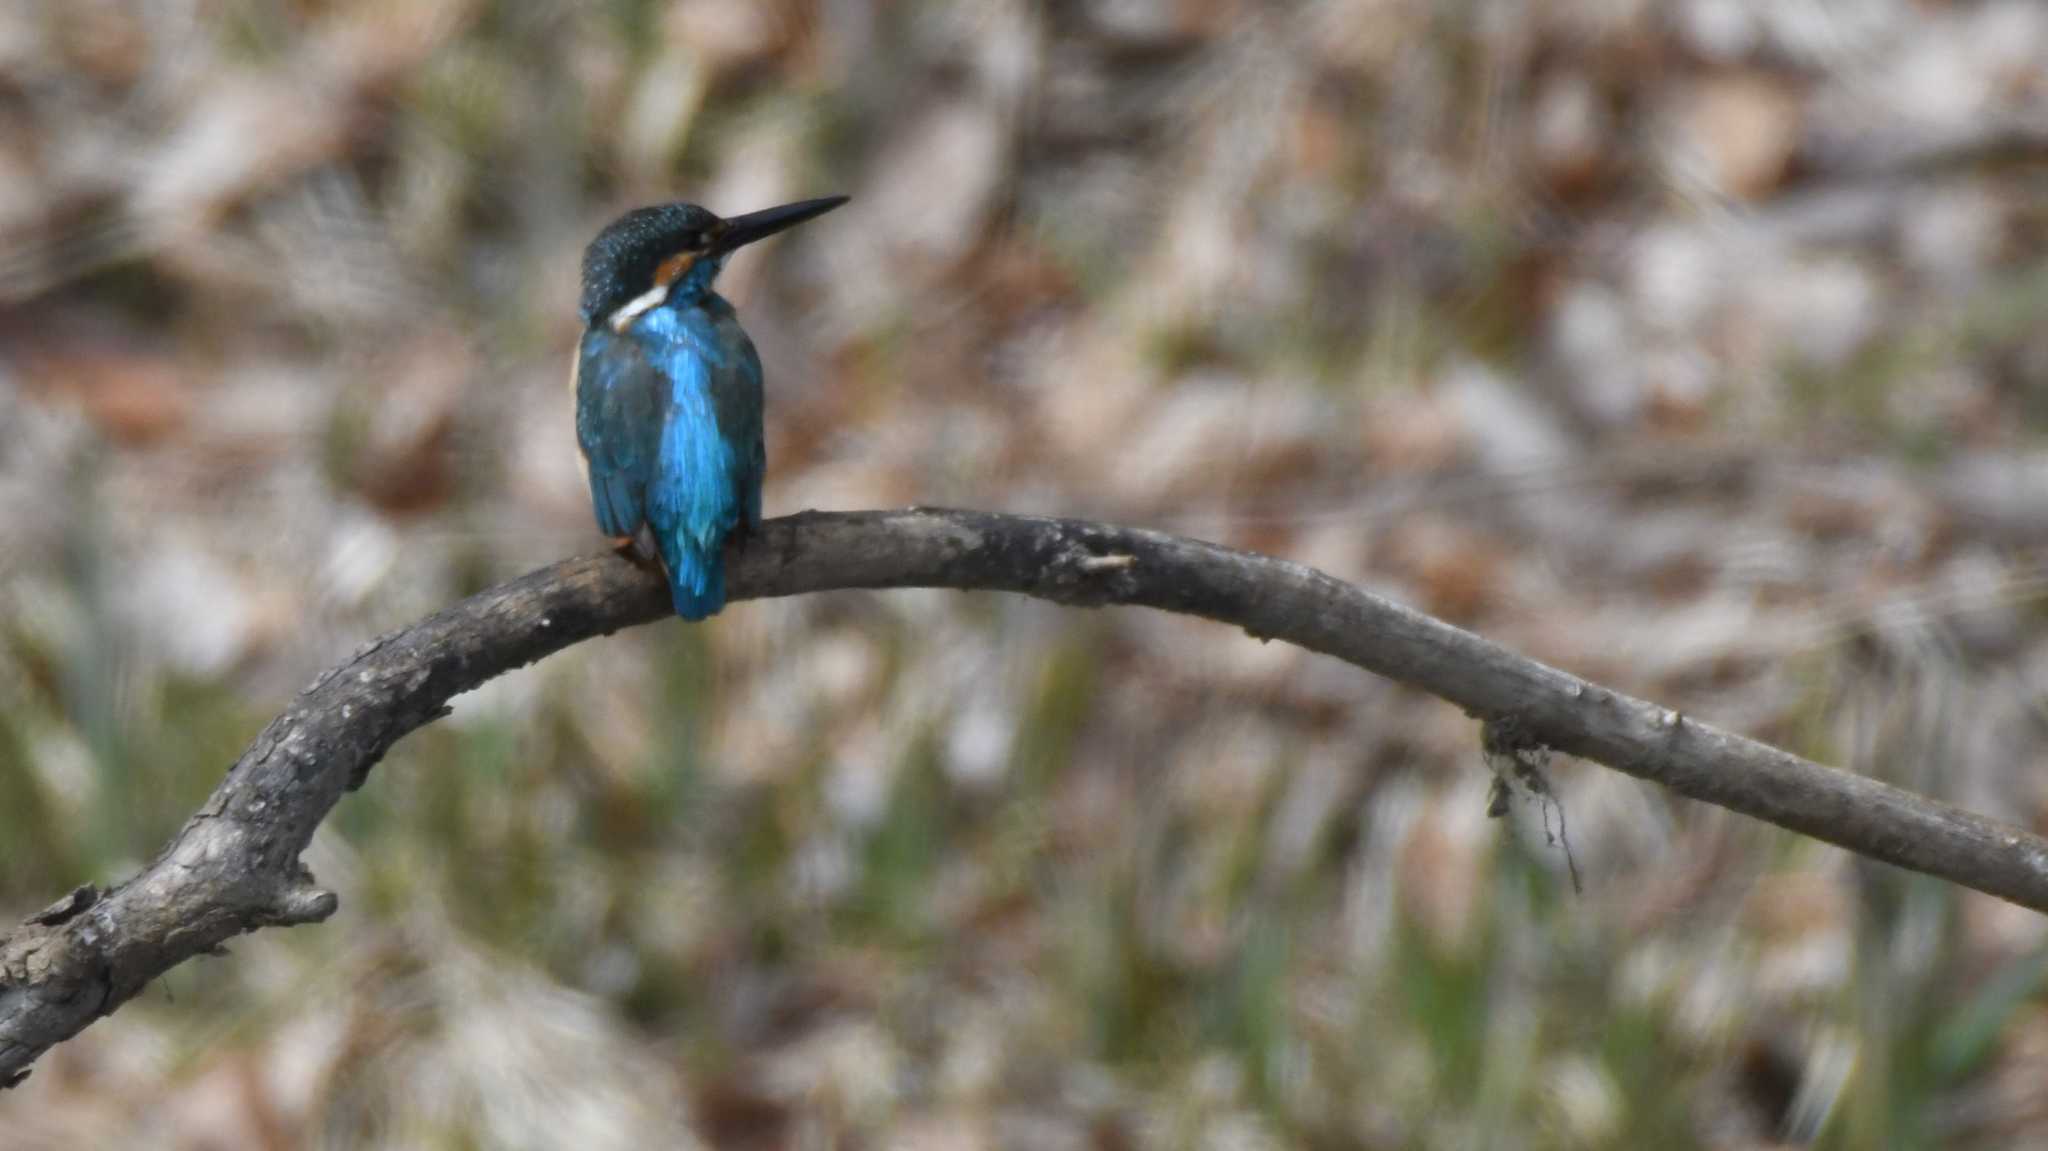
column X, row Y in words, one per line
column 742, row 230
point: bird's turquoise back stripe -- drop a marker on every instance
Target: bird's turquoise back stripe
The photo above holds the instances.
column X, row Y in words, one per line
column 694, row 497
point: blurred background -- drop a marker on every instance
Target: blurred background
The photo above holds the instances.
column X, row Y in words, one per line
column 1699, row 347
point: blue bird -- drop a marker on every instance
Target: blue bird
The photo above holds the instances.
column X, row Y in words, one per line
column 668, row 391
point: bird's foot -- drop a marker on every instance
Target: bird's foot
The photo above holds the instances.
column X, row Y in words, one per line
column 639, row 548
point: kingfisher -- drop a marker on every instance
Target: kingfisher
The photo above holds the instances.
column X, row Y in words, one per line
column 668, row 391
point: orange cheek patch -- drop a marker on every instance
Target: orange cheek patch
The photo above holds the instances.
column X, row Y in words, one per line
column 672, row 269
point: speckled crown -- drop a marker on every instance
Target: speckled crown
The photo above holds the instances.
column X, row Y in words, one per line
column 619, row 264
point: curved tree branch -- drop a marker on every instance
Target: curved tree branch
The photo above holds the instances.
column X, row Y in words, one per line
column 234, row 867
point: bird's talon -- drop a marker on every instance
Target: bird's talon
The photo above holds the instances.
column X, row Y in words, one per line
column 637, row 549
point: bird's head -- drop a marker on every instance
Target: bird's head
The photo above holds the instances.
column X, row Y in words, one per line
column 632, row 265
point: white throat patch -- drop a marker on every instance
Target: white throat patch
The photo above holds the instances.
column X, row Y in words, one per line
column 633, row 308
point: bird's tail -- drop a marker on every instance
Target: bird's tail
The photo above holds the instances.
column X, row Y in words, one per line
column 696, row 576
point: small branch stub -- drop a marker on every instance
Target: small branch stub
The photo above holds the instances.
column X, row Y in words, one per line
column 68, row 907
column 306, row 904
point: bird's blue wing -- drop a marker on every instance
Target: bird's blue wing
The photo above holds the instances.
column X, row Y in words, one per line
column 620, row 397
